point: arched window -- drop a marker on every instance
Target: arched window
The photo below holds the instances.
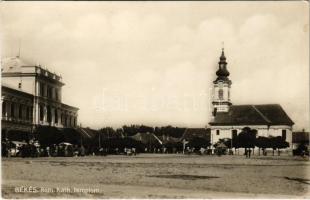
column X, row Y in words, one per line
column 221, row 94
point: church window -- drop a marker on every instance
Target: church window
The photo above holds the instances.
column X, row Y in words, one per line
column 221, row 93
column 234, row 133
column 217, row 132
column 284, row 134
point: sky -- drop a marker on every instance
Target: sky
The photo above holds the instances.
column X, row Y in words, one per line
column 153, row 63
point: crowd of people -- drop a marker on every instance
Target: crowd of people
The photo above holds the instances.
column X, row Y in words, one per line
column 32, row 149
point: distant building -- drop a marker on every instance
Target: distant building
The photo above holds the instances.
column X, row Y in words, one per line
column 31, row 97
column 191, row 133
column 300, row 137
column 228, row 120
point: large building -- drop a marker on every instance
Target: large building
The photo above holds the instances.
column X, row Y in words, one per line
column 228, row 120
column 32, row 97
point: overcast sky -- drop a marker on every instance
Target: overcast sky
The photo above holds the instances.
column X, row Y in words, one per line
column 154, row 62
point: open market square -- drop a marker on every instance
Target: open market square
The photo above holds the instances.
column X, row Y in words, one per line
column 156, row 176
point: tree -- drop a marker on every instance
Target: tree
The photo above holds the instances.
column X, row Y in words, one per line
column 278, row 143
column 301, row 149
column 145, row 129
column 198, row 142
column 262, row 143
column 246, row 138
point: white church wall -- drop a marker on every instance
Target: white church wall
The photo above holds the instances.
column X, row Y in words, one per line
column 262, row 130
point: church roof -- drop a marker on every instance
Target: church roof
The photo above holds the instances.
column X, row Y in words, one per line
column 268, row 114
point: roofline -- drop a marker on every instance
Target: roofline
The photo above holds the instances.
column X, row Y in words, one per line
column 35, row 74
column 241, row 124
column 71, row 107
column 16, row 90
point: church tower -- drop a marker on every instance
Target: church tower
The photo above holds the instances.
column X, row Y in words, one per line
column 221, row 88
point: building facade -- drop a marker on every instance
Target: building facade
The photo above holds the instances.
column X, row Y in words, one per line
column 33, row 94
column 228, row 120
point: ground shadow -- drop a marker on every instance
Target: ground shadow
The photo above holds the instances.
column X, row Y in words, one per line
column 184, row 176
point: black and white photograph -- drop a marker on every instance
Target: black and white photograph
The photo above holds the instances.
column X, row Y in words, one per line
column 155, row 99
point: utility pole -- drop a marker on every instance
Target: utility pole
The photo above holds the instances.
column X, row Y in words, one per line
column 19, row 44
column 99, row 140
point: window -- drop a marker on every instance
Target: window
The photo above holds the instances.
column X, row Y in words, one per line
column 49, row 92
column 3, row 108
column 42, row 89
column 214, row 111
column 284, row 134
column 12, row 110
column 56, row 116
column 56, row 94
column 62, row 118
column 49, row 114
column 28, row 113
column 221, row 94
column 217, row 132
column 41, row 113
column 234, row 133
column 20, row 111
column 70, row 121
column 65, row 121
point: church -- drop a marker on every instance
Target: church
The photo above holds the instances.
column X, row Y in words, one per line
column 228, row 120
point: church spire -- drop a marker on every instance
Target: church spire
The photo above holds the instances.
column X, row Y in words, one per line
column 222, row 73
column 223, row 58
